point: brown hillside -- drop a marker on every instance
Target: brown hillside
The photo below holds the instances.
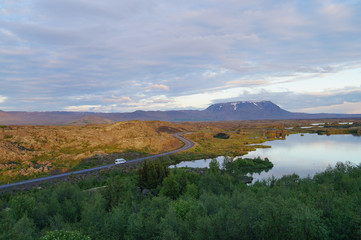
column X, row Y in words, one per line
column 91, row 120
column 26, row 150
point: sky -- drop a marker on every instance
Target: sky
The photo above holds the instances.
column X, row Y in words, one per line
column 123, row 56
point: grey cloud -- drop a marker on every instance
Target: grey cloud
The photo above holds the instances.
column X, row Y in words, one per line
column 296, row 102
column 85, row 12
column 77, row 47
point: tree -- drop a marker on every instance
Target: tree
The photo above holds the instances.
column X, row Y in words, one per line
column 113, row 191
column 143, row 175
column 64, row 235
column 116, row 222
column 221, row 136
column 192, row 190
column 214, row 166
column 93, row 214
column 152, row 174
column 170, row 187
column 21, row 205
column 24, row 229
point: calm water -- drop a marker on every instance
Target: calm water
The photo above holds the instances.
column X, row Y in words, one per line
column 303, row 155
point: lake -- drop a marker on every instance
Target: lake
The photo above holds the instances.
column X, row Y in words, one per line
column 303, row 155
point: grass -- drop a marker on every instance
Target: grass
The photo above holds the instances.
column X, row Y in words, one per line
column 235, row 145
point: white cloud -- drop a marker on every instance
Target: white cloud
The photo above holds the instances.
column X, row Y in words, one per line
column 118, row 99
column 157, row 87
column 83, row 108
column 148, row 103
column 345, row 107
column 319, row 80
column 203, row 100
column 2, row 99
column 213, row 74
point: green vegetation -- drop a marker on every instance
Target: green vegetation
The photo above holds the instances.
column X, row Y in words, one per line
column 221, row 136
column 184, row 204
column 242, row 166
column 64, row 235
column 235, row 145
column 187, row 156
column 154, row 202
column 8, row 136
column 152, row 174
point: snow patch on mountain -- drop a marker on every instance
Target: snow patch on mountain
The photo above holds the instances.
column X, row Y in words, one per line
column 234, row 104
column 237, row 105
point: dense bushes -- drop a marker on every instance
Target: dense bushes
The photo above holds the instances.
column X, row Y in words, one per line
column 186, row 205
column 152, row 174
column 64, row 235
column 221, row 135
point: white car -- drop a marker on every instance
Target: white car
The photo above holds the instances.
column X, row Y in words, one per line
column 120, row 161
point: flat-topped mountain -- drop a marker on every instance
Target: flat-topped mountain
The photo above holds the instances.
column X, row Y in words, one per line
column 241, row 106
column 241, row 110
column 246, row 110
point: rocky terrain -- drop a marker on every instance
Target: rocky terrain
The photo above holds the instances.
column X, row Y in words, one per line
column 29, row 150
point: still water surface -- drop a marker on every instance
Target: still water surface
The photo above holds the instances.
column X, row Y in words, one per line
column 303, row 155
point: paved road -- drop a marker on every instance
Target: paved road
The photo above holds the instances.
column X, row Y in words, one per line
column 188, row 144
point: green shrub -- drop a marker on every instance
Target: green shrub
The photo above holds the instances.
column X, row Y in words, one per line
column 221, row 136
column 64, row 235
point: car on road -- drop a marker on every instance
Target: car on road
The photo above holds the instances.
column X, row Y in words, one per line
column 120, row 161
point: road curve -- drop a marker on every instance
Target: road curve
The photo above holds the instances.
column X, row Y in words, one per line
column 188, row 144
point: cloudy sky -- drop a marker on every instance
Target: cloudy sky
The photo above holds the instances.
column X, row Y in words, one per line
column 121, row 56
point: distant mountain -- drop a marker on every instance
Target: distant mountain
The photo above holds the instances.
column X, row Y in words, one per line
column 6, row 117
column 91, row 120
column 246, row 110
column 242, row 110
column 40, row 118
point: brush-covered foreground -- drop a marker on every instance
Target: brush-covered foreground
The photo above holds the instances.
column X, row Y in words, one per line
column 184, row 204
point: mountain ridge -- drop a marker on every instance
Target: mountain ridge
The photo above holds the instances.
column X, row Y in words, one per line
column 236, row 110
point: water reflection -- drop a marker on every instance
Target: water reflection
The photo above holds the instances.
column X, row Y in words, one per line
column 303, row 155
column 308, row 154
column 202, row 163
